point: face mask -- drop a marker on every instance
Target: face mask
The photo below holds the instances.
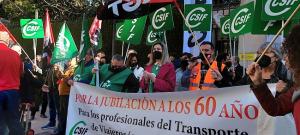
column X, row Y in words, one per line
column 101, row 63
column 202, row 57
column 157, row 55
column 115, row 69
column 133, row 64
column 184, row 64
column 264, row 62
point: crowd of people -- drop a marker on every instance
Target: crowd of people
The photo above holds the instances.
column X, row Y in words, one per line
column 42, row 84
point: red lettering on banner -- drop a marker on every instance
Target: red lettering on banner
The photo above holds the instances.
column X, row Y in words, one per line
column 237, row 111
column 162, row 106
column 224, row 110
column 170, row 107
column 255, row 112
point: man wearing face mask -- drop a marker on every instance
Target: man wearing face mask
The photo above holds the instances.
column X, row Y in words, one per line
column 117, row 77
column 200, row 76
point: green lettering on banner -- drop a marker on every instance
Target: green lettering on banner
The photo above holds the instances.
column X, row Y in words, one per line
column 198, row 17
column 32, row 28
column 270, row 27
column 133, row 30
column 162, row 19
column 225, row 26
column 278, row 9
column 241, row 20
column 119, row 30
column 153, row 37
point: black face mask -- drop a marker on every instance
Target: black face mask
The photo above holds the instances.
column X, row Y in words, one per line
column 202, row 57
column 101, row 63
column 157, row 55
column 184, row 64
column 133, row 64
column 264, row 62
column 115, row 70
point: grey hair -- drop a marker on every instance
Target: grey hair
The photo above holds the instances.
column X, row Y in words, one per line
column 275, row 48
column 118, row 57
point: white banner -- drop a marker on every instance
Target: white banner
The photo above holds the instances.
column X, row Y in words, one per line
column 226, row 111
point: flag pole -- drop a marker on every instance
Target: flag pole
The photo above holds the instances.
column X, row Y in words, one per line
column 123, row 48
column 193, row 34
column 35, row 40
column 279, row 32
column 126, row 53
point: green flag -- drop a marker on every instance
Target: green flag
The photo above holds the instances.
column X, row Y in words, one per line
column 85, row 39
column 154, row 36
column 264, row 27
column 242, row 20
column 65, row 48
column 133, row 30
column 198, row 17
column 225, row 26
column 120, row 27
column 279, row 9
column 162, row 19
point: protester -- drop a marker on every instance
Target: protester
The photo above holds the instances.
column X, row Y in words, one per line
column 286, row 102
column 53, row 97
column 10, row 72
column 236, row 71
column 179, row 72
column 159, row 75
column 132, row 63
column 83, row 72
column 117, row 77
column 273, row 70
column 101, row 57
column 37, row 83
column 214, row 77
column 64, row 91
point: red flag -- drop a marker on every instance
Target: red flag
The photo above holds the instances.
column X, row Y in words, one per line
column 48, row 34
column 3, row 28
column 96, row 25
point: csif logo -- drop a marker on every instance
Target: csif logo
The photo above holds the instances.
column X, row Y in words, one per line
column 119, row 31
column 79, row 129
column 159, row 18
column 31, row 28
column 278, row 7
column 226, row 27
column 240, row 19
column 195, row 17
column 151, row 38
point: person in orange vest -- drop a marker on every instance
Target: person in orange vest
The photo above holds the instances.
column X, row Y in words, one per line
column 200, row 76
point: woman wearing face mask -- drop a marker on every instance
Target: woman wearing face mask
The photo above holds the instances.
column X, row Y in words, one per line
column 273, row 70
column 286, row 102
column 132, row 63
column 160, row 74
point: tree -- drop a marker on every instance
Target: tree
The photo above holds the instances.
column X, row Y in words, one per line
column 58, row 9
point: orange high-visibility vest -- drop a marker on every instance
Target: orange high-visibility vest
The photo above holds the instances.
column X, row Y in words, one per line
column 208, row 80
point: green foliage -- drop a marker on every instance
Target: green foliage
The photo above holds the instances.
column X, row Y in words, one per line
column 58, row 9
